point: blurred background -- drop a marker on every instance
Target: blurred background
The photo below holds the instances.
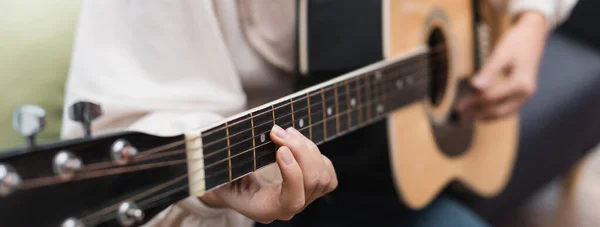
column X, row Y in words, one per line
column 35, row 49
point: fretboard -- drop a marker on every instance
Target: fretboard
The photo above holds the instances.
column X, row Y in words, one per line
column 241, row 144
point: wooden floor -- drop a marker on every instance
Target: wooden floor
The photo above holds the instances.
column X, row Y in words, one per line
column 560, row 206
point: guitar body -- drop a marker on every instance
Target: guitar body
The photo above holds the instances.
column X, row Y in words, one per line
column 421, row 166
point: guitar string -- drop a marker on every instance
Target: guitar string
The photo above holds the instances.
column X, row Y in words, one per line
column 43, row 181
column 51, row 180
column 133, row 198
column 141, row 155
column 148, row 156
column 48, row 180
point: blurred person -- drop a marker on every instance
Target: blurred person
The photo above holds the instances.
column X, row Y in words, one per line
column 165, row 68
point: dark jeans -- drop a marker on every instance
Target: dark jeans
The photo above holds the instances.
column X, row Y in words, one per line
column 445, row 211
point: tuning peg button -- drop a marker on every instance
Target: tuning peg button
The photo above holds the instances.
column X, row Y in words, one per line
column 85, row 113
column 9, row 180
column 123, row 152
column 129, row 214
column 72, row 222
column 65, row 164
column 29, row 120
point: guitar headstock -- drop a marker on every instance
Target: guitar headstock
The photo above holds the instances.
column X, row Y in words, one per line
column 119, row 179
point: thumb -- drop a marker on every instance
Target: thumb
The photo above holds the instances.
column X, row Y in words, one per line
column 292, row 198
column 491, row 70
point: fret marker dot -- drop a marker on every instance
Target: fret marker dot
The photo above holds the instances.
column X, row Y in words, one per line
column 410, row 80
column 301, row 123
column 353, row 102
column 379, row 108
column 378, row 76
column 262, row 138
column 329, row 111
column 399, row 84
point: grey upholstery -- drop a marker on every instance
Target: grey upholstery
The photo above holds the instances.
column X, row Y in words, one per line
column 559, row 124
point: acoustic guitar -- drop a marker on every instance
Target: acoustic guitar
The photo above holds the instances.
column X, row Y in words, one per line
column 430, row 48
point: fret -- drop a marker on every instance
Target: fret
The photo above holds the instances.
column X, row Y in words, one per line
column 265, row 148
column 362, row 99
column 253, row 142
column 368, row 97
column 394, row 86
column 375, row 95
column 228, row 149
column 282, row 113
column 348, row 104
column 301, row 120
column 273, row 114
column 316, row 114
column 215, row 155
column 309, row 118
column 397, row 85
column 354, row 103
column 241, row 146
column 342, row 107
column 331, row 119
column 335, row 103
column 324, row 114
column 382, row 108
column 292, row 107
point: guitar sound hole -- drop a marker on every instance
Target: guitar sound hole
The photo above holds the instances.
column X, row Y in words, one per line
column 452, row 138
column 438, row 60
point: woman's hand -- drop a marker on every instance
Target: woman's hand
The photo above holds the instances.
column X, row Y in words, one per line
column 509, row 78
column 306, row 175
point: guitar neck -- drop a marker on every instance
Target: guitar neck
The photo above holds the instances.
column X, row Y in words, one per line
column 241, row 144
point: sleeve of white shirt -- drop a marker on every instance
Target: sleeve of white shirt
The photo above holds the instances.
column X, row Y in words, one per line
column 555, row 11
column 159, row 67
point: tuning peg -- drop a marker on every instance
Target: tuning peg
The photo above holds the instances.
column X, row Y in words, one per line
column 65, row 164
column 29, row 120
column 85, row 113
column 129, row 214
column 9, row 179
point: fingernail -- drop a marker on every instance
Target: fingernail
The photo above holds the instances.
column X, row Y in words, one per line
column 293, row 131
column 279, row 132
column 286, row 155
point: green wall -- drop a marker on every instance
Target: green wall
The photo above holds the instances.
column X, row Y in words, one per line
column 35, row 45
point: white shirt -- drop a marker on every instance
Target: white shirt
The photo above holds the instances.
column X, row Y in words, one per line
column 167, row 67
